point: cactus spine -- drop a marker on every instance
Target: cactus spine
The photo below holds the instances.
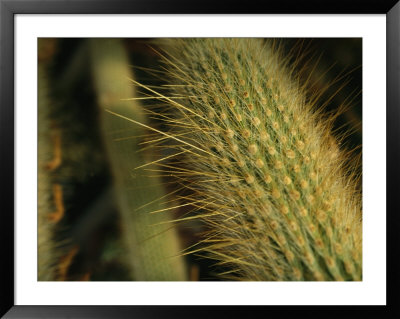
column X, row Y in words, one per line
column 264, row 171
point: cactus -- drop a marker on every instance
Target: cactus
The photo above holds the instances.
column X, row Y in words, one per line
column 47, row 247
column 51, row 247
column 67, row 156
column 153, row 248
column 260, row 162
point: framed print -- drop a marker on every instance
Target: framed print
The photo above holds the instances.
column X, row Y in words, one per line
column 159, row 156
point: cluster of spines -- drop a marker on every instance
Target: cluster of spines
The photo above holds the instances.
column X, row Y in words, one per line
column 267, row 175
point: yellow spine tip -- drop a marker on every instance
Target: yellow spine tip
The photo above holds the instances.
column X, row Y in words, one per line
column 259, row 163
column 253, row 149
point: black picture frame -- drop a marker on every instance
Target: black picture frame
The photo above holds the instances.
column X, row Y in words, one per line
column 8, row 10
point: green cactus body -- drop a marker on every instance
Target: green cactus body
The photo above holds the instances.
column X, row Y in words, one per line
column 153, row 247
column 261, row 163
